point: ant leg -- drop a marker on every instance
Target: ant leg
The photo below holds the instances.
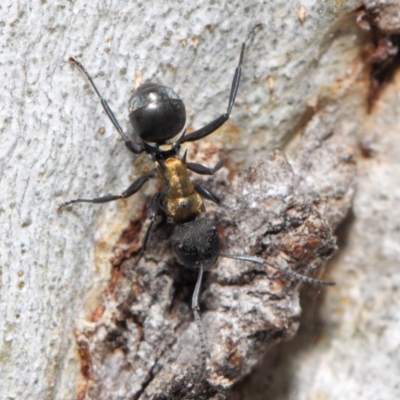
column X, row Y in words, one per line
column 196, row 314
column 135, row 187
column 214, row 125
column 202, row 170
column 132, row 146
column 206, row 193
column 153, row 208
column 286, row 271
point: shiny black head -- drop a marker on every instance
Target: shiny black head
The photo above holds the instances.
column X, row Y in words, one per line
column 196, row 241
column 156, row 113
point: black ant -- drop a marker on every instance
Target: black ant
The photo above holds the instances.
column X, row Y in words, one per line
column 158, row 115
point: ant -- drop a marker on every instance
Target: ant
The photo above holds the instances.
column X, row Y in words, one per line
column 158, row 116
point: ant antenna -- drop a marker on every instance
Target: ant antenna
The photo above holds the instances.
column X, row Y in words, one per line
column 236, row 79
column 289, row 273
column 196, row 313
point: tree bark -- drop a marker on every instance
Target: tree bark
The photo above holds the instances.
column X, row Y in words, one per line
column 83, row 318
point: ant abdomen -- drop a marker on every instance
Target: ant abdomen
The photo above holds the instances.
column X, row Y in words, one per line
column 156, row 112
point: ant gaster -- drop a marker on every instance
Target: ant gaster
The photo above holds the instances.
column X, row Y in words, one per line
column 157, row 116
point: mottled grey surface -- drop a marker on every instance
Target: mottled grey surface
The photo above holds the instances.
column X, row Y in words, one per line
column 55, row 267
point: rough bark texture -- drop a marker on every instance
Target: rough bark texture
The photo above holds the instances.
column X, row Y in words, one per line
column 144, row 343
column 81, row 318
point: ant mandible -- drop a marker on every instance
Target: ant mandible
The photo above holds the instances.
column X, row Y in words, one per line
column 158, row 115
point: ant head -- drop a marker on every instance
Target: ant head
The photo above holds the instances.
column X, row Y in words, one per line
column 156, row 112
column 195, row 242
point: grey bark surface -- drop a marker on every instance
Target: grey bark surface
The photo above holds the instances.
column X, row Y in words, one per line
column 81, row 318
